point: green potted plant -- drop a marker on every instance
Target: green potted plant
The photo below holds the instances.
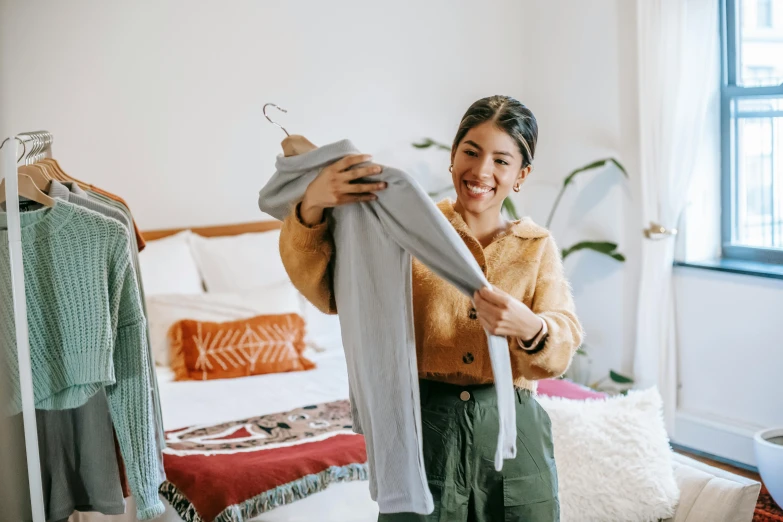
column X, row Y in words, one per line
column 580, row 368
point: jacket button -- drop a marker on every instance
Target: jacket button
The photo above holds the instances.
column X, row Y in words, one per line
column 465, row 396
column 467, row 358
column 472, row 314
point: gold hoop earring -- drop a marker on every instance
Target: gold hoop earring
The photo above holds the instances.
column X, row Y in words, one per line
column 516, row 187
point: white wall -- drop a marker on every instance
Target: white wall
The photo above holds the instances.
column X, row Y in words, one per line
column 579, row 59
column 731, row 335
column 731, row 356
column 160, row 102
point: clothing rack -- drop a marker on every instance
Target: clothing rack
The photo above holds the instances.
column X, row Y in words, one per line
column 36, row 145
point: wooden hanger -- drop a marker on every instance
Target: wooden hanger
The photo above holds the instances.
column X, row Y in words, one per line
column 29, row 190
column 38, row 174
column 296, row 144
column 48, row 170
column 61, row 175
column 55, row 169
column 292, row 145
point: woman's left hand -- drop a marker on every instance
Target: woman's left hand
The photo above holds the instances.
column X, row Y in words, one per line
column 502, row 314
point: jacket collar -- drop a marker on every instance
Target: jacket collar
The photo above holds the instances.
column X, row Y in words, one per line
column 524, row 228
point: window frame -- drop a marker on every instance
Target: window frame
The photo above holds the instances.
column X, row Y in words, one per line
column 769, row 15
column 730, row 91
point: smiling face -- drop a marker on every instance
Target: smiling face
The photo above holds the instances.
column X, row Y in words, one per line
column 487, row 163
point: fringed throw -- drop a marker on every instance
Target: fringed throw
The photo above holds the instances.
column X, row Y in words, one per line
column 234, row 471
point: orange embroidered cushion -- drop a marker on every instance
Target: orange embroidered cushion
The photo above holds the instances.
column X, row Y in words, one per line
column 202, row 350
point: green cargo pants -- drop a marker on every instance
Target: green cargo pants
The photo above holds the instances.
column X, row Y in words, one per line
column 460, row 425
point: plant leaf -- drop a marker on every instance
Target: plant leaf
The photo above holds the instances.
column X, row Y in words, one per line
column 619, row 378
column 606, row 248
column 594, row 165
column 510, row 208
column 619, row 166
column 426, row 143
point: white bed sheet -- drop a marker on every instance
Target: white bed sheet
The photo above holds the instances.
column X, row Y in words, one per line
column 192, row 403
column 189, row 403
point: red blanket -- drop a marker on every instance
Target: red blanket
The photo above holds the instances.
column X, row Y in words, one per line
column 237, row 470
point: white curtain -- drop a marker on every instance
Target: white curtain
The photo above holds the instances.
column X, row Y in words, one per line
column 678, row 46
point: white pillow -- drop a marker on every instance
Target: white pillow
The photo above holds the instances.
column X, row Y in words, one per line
column 165, row 310
column 167, row 266
column 239, row 263
column 613, row 458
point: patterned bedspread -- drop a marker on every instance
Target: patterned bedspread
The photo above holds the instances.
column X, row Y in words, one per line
column 236, row 470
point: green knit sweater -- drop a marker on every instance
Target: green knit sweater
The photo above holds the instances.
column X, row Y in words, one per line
column 87, row 330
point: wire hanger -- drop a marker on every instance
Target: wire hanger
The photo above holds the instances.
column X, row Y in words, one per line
column 292, row 145
column 270, row 119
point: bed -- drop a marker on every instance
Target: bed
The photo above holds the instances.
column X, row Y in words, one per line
column 189, row 403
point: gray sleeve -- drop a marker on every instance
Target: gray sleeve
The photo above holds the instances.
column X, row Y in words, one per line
column 411, row 218
column 417, row 225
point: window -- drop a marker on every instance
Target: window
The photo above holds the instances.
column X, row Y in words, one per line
column 752, row 131
column 764, row 13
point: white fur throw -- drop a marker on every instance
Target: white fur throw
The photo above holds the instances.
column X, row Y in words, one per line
column 614, row 462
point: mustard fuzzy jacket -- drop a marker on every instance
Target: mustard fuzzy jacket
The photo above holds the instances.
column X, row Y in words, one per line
column 451, row 345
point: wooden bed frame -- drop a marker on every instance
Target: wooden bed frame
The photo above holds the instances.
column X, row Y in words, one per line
column 216, row 231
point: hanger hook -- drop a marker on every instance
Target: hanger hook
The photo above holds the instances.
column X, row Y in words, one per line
column 34, row 149
column 270, row 119
column 24, row 148
column 44, row 137
column 44, row 141
column 41, row 142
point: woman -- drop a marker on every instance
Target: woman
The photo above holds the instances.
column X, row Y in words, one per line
column 530, row 302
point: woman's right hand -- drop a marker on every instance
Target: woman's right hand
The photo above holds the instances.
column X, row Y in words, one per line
column 333, row 187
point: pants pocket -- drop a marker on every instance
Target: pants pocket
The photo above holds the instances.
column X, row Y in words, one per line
column 437, row 435
column 534, row 432
column 531, row 498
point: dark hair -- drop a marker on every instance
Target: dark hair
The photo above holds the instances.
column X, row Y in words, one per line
column 509, row 115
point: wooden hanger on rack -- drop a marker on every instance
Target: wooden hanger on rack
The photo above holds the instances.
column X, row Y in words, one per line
column 36, row 171
column 27, row 189
column 292, row 145
column 43, row 167
column 57, row 172
column 37, row 174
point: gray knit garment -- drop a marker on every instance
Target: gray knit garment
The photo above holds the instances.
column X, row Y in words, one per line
column 374, row 242
column 128, row 220
column 79, row 468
